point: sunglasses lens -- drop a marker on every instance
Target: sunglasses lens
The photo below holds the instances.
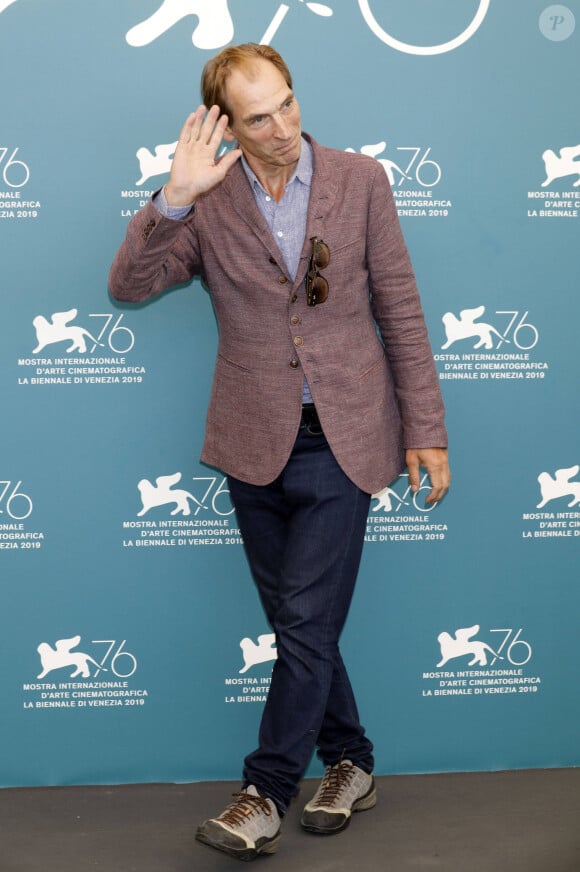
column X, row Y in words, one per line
column 321, row 255
column 316, row 285
column 319, row 290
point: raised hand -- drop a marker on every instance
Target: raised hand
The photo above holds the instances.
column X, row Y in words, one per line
column 195, row 168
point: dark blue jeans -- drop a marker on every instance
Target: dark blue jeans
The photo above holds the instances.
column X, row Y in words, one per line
column 303, row 536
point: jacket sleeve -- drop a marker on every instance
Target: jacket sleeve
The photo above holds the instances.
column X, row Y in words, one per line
column 399, row 315
column 157, row 253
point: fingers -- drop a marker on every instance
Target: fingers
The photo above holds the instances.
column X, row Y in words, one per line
column 440, row 480
column 204, row 127
column 437, row 492
column 414, row 476
column 213, row 127
column 435, row 461
column 195, row 168
column 186, row 130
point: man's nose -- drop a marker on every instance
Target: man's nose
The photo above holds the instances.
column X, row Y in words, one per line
column 281, row 126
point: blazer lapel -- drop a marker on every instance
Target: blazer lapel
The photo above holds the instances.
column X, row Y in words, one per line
column 243, row 202
column 322, row 197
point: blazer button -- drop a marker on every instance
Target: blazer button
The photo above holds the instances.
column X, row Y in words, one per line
column 298, row 340
column 294, row 363
column 282, row 280
column 295, row 319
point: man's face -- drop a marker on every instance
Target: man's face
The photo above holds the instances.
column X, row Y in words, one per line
column 265, row 117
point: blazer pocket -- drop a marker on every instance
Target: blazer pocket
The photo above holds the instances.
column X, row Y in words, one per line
column 343, row 246
column 380, row 361
column 237, row 366
column 233, row 394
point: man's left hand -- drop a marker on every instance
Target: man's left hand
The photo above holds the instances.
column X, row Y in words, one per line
column 436, row 462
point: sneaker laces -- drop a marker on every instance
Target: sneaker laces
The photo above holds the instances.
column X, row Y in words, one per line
column 243, row 808
column 335, row 779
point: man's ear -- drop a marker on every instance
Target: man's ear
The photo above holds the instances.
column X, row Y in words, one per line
column 228, row 135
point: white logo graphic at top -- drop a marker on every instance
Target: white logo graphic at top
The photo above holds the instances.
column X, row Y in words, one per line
column 561, row 485
column 558, row 166
column 58, row 329
column 317, row 8
column 155, row 164
column 468, row 327
column 215, row 27
column 462, row 645
column 161, row 494
column 62, row 656
column 262, row 652
column 409, row 48
column 4, row 4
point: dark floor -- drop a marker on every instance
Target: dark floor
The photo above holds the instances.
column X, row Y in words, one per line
column 526, row 821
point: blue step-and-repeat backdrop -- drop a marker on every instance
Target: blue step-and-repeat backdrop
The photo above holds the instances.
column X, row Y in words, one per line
column 133, row 644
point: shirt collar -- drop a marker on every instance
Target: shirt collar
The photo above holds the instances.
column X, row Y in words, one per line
column 302, row 173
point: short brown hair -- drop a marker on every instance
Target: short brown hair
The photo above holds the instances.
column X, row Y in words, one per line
column 217, row 70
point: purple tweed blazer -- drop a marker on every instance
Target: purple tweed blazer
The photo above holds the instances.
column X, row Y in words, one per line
column 376, row 396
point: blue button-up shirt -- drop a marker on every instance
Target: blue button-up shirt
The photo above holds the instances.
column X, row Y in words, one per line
column 287, row 218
